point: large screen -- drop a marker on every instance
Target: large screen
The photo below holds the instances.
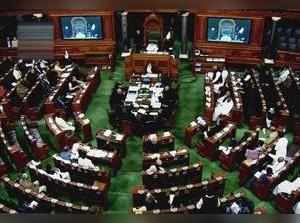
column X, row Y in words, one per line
column 228, row 30
column 81, row 27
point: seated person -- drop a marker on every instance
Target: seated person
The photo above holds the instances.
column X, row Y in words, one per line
column 209, row 203
column 150, row 201
column 25, row 181
column 149, row 68
column 219, row 79
column 277, row 166
column 254, row 152
column 64, row 125
column 168, row 42
column 17, row 74
column 156, row 168
column 280, row 148
column 287, row 186
column 61, row 175
column 30, row 207
column 271, row 170
column 36, row 187
column 224, row 106
column 85, row 163
column 284, row 74
column 270, row 117
column 240, row 207
column 231, row 145
column 75, row 85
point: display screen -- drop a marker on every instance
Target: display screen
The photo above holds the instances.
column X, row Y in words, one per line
column 228, row 30
column 81, row 27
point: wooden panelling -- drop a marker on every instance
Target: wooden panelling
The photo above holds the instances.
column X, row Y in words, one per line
column 247, row 53
column 80, row 48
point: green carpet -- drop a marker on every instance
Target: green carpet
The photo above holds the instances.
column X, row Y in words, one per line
column 129, row 176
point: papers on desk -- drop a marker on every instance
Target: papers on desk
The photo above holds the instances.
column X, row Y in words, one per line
column 142, row 111
column 97, row 153
column 119, row 137
column 156, row 105
column 107, row 133
column 153, row 113
column 167, row 134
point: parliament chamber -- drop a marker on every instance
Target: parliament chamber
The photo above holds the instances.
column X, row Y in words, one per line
column 148, row 112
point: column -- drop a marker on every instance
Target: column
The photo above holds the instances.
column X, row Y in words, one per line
column 271, row 49
column 184, row 24
column 124, row 26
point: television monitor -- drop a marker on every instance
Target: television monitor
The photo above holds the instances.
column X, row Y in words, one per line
column 81, row 27
column 228, row 30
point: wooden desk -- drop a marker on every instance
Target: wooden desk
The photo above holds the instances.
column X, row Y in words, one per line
column 164, row 140
column 173, row 177
column 83, row 97
column 186, row 194
column 49, row 105
column 111, row 140
column 46, row 203
column 189, row 208
column 170, row 158
column 237, row 112
column 248, row 167
column 285, row 203
column 209, row 146
column 136, row 63
column 84, row 124
column 235, row 157
column 110, row 158
column 81, row 174
column 15, row 151
column 209, row 100
column 63, row 138
column 79, row 191
column 38, row 146
column 263, row 190
column 192, row 129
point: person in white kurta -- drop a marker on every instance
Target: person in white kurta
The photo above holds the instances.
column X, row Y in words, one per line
column 283, row 75
column 63, row 125
column 287, row 186
column 280, row 149
column 223, row 107
column 149, row 68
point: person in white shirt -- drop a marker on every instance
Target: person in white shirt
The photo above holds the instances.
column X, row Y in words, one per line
column 149, row 68
column 284, row 74
column 280, row 149
column 223, row 106
column 17, row 73
column 287, row 186
column 86, row 163
column 63, row 125
column 277, row 166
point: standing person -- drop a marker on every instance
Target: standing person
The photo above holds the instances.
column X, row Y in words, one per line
column 138, row 39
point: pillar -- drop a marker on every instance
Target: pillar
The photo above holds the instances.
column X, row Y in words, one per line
column 184, row 42
column 124, row 25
